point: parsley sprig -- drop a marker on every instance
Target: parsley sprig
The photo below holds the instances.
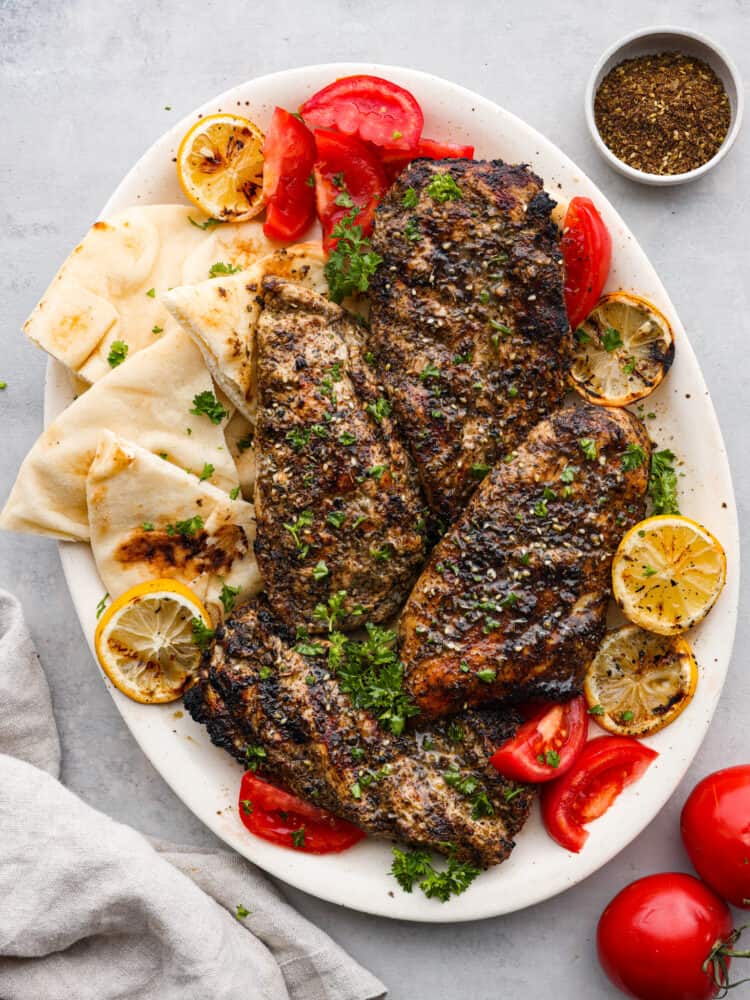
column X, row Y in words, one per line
column 352, row 262
column 662, row 483
column 412, row 868
column 207, row 405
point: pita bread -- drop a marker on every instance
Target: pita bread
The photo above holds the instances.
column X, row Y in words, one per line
column 239, row 435
column 101, row 292
column 148, row 400
column 221, row 314
column 238, row 244
column 150, row 519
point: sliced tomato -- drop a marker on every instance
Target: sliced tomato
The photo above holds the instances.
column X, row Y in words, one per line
column 288, row 158
column 587, row 253
column 369, row 107
column 604, row 767
column 348, row 178
column 395, row 160
column 275, row 815
column 546, row 745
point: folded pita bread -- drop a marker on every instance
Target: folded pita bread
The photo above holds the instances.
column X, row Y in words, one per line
column 236, row 244
column 151, row 519
column 148, row 400
column 101, row 292
column 221, row 314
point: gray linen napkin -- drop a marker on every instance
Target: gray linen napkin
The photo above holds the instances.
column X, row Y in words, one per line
column 90, row 910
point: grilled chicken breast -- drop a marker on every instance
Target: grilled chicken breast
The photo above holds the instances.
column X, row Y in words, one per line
column 256, row 690
column 467, row 314
column 512, row 603
column 337, row 498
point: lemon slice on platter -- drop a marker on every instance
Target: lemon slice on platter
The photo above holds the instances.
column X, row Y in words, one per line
column 149, row 641
column 639, row 682
column 667, row 573
column 220, row 167
column 622, row 351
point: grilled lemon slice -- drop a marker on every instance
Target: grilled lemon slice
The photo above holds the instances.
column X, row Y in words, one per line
column 146, row 640
column 220, row 167
column 623, row 349
column 639, row 682
column 667, row 573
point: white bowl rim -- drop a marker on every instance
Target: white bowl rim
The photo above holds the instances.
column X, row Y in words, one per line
column 641, row 175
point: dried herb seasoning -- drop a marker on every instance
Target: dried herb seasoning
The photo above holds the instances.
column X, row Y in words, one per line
column 663, row 114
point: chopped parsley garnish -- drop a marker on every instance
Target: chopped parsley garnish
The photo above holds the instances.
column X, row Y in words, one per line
column 510, row 793
column 627, row 716
column 412, row 232
column 147, row 526
column 500, row 327
column 479, row 470
column 234, row 493
column 306, row 646
column 581, row 336
column 157, row 329
column 303, row 520
column 551, row 758
column 513, row 391
column 568, row 474
column 205, row 404
column 379, row 409
column 102, row 605
column 253, row 756
column 331, row 611
column 487, row 676
column 208, row 224
column 377, row 471
column 429, row 371
column 186, row 528
column 633, row 457
column 540, row 508
column 382, row 554
column 298, row 837
column 410, row 199
column 228, row 597
column 242, row 912
column 221, row 268
column 412, row 868
column 352, row 262
column 470, row 788
column 202, row 634
column 207, row 471
column 649, row 571
column 596, row 710
column 662, row 483
column 455, row 732
column 151, row 293
column 118, row 351
column 320, row 570
column 264, row 673
column 442, row 188
column 347, row 438
column 611, row 339
column 298, row 438
column 629, row 366
column 370, row 672
column 344, row 200
column 396, row 135
column 336, row 518
column 247, row 806
column 588, row 447
column 548, row 493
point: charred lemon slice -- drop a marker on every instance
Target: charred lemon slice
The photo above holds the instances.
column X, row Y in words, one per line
column 622, row 351
column 220, row 167
column 149, row 641
column 639, row 682
column 667, row 573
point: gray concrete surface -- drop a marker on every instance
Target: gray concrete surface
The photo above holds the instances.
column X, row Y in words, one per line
column 84, row 88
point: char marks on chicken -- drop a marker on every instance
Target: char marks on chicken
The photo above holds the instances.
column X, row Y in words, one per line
column 337, row 497
column 433, row 788
column 513, row 602
column 468, row 318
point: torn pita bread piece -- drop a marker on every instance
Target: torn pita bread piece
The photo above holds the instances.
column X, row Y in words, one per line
column 149, row 400
column 221, row 314
column 107, row 291
column 239, row 435
column 150, row 519
column 235, row 245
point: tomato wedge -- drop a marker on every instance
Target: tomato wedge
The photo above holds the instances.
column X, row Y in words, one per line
column 374, row 109
column 394, row 160
column 288, row 158
column 546, row 745
column 587, row 253
column 348, row 177
column 604, row 767
column 275, row 815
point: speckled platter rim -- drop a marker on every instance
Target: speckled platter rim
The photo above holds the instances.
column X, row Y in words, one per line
column 207, row 780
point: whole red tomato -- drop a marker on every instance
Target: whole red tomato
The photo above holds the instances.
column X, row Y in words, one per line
column 715, row 828
column 667, row 937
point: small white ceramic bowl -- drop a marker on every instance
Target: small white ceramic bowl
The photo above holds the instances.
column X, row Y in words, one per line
column 651, row 41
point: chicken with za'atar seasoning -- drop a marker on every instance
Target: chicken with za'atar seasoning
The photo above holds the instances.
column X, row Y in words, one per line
column 468, row 319
column 285, row 712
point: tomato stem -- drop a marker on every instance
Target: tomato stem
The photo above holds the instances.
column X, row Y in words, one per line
column 717, row 962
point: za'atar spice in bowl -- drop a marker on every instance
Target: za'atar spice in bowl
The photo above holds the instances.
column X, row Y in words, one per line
column 664, row 106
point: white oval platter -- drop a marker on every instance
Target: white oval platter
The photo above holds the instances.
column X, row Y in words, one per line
column 207, row 780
